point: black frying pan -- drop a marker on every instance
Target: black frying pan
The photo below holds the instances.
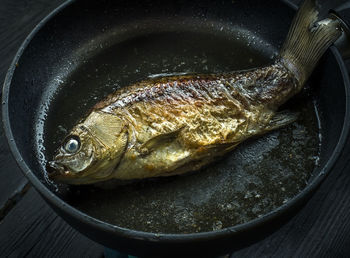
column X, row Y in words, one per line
column 86, row 49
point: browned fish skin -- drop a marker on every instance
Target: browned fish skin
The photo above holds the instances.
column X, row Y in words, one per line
column 263, row 85
column 173, row 125
column 207, row 115
column 169, row 104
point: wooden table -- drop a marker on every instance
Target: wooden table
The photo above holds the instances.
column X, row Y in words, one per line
column 28, row 227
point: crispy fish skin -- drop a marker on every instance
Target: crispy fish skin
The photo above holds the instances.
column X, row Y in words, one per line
column 172, row 125
column 178, row 124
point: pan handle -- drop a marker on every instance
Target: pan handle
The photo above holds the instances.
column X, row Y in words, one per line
column 342, row 13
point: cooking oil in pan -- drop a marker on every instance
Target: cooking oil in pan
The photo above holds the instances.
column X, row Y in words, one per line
column 256, row 178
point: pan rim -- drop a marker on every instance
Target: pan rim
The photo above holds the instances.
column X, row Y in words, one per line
column 164, row 237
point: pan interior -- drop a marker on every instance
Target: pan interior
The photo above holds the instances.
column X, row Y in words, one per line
column 256, row 178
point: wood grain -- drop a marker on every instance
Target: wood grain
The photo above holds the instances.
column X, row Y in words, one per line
column 30, row 228
column 34, row 230
column 17, row 19
column 12, row 182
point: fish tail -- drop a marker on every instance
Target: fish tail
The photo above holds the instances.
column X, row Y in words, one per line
column 307, row 40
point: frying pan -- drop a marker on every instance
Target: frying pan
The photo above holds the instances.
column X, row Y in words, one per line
column 86, row 49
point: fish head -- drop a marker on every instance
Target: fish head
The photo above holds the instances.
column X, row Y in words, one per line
column 91, row 151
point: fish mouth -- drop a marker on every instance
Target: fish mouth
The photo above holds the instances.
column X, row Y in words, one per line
column 57, row 171
column 61, row 174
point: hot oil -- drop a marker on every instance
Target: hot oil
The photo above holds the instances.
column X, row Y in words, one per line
column 257, row 177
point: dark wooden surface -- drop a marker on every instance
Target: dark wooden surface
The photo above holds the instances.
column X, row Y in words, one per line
column 28, row 227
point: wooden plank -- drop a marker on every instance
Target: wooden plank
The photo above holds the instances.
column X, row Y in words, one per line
column 12, row 182
column 32, row 229
column 321, row 229
column 17, row 19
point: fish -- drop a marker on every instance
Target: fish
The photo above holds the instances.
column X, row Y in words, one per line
column 176, row 124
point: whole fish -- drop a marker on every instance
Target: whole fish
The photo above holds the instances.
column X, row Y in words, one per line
column 172, row 125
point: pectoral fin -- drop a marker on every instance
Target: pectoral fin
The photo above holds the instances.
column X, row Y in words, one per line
column 281, row 119
column 158, row 140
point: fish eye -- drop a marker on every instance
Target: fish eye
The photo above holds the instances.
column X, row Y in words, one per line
column 72, row 144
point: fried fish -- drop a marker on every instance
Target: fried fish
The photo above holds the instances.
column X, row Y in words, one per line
column 173, row 125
